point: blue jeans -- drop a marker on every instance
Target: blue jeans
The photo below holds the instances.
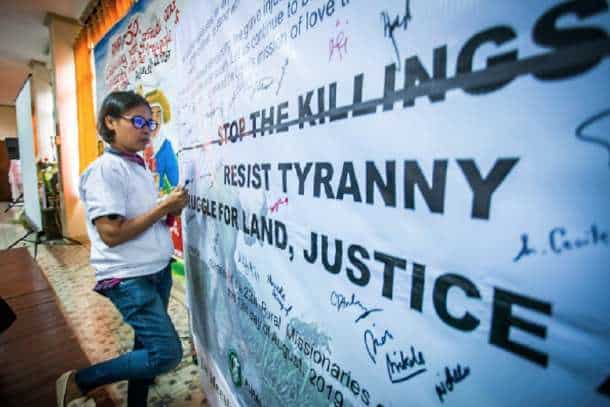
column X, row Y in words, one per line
column 157, row 349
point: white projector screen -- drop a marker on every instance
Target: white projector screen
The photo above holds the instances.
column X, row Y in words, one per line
column 25, row 134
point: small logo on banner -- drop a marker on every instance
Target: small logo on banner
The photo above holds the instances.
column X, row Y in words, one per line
column 235, row 368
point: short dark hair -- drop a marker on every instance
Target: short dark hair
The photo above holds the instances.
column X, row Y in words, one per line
column 115, row 104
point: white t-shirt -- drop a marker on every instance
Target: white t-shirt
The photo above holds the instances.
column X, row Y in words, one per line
column 115, row 185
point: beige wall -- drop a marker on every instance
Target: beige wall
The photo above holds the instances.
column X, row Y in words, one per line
column 42, row 95
column 62, row 34
column 8, row 122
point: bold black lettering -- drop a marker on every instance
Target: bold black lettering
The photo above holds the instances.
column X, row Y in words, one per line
column 334, row 268
column 267, row 229
column 433, row 195
column 348, row 177
column 225, row 130
column 233, row 132
column 253, row 117
column 312, row 255
column 284, row 167
column 266, row 167
column 482, row 189
column 387, row 189
column 302, row 175
column 390, row 262
column 547, row 34
column 234, row 217
column 502, row 319
column 233, row 181
column 241, row 174
column 418, row 280
column 267, row 122
column 498, row 35
column 305, row 109
column 360, row 111
column 389, row 85
column 365, row 274
column 253, row 227
column 416, row 74
column 256, row 181
column 281, row 116
column 322, row 119
column 281, row 237
column 332, row 103
column 439, row 297
column 227, row 175
column 323, row 173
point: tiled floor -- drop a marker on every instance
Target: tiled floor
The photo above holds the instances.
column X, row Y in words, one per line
column 98, row 325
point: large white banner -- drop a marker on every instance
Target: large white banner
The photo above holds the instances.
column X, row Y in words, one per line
column 397, row 202
column 27, row 156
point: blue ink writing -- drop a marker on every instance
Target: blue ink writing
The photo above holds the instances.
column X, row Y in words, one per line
column 389, row 26
column 406, row 367
column 452, row 377
column 341, row 302
column 372, row 343
column 595, row 139
column 560, row 241
column 279, row 84
column 279, row 295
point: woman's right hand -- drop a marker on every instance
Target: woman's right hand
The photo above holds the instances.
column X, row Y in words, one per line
column 175, row 201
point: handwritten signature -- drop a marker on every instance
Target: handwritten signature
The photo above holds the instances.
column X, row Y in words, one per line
column 595, row 139
column 341, row 302
column 275, row 207
column 559, row 242
column 213, row 111
column 279, row 295
column 236, row 93
column 402, row 370
column 452, row 377
column 262, row 84
column 339, row 44
column 371, row 343
column 249, row 267
column 279, row 84
column 389, row 26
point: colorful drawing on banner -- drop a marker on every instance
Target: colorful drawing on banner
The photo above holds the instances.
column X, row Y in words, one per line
column 137, row 54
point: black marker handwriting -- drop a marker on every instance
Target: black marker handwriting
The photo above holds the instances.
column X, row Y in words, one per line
column 371, row 343
column 389, row 26
column 452, row 377
column 248, row 266
column 279, row 84
column 240, row 87
column 213, row 111
column 341, row 302
column 560, row 241
column 525, row 249
column 262, row 84
column 406, row 367
column 592, row 139
column 279, row 295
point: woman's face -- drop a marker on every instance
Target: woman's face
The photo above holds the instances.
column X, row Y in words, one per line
column 127, row 137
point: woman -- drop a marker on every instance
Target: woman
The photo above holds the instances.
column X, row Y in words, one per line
column 131, row 251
